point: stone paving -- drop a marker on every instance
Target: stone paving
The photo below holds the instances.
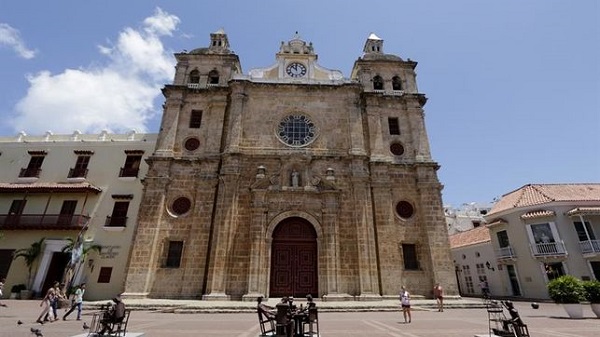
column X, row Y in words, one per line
column 464, row 317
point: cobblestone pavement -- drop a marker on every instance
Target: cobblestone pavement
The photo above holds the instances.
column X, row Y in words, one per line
column 549, row 320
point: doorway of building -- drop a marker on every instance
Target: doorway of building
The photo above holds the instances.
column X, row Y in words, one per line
column 514, row 281
column 55, row 270
column 596, row 269
column 294, row 259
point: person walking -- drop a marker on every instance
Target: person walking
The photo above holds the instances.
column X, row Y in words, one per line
column 2, row 281
column 77, row 303
column 46, row 305
column 405, row 303
column 438, row 294
column 58, row 295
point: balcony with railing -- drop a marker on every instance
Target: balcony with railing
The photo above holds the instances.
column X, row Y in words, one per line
column 505, row 253
column 30, row 172
column 115, row 221
column 556, row 249
column 42, row 221
column 77, row 173
column 590, row 247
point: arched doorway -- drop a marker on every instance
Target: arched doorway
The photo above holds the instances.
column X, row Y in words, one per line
column 294, row 259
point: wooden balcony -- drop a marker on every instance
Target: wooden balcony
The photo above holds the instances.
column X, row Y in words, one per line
column 42, row 221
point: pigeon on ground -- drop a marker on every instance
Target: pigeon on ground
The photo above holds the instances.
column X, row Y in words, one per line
column 39, row 334
column 34, row 330
column 85, row 326
column 19, row 322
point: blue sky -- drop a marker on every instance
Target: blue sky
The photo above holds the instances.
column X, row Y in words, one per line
column 513, row 86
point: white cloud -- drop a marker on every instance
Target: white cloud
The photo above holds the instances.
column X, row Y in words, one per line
column 117, row 96
column 12, row 38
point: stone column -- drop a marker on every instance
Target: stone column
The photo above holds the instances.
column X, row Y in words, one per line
column 330, row 248
column 168, row 127
column 257, row 248
column 234, row 137
column 365, row 235
column 146, row 251
column 437, row 242
column 226, row 222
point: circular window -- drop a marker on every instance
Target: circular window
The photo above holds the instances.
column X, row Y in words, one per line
column 405, row 209
column 296, row 130
column 181, row 205
column 397, row 149
column 192, row 144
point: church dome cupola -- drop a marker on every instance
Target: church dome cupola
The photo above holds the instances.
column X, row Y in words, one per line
column 374, row 45
column 219, row 44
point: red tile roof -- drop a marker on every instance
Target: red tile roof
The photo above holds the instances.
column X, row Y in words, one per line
column 470, row 237
column 538, row 214
column 48, row 187
column 539, row 194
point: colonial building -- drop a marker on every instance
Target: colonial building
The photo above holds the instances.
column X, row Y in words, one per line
column 54, row 188
column 542, row 231
column 474, row 259
column 291, row 180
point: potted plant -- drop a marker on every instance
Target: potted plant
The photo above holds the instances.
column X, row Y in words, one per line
column 568, row 291
column 15, row 291
column 592, row 294
column 30, row 255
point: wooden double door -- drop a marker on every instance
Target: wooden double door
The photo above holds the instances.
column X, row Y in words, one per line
column 294, row 259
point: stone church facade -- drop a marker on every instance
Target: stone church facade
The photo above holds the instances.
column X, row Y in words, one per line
column 290, row 180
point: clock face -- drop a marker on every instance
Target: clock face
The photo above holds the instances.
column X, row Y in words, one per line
column 296, row 130
column 296, row 69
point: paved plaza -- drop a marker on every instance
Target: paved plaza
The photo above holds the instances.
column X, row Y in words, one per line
column 339, row 320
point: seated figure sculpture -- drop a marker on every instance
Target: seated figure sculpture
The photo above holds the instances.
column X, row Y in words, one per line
column 115, row 314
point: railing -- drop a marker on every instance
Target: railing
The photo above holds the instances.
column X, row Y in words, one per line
column 548, row 249
column 129, row 172
column 30, row 172
column 115, row 221
column 45, row 221
column 505, row 253
column 77, row 173
column 194, row 86
column 589, row 246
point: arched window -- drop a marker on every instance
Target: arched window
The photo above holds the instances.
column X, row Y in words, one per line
column 396, row 83
column 213, row 77
column 195, row 76
column 377, row 83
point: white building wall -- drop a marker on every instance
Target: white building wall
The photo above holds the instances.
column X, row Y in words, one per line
column 531, row 270
column 103, row 172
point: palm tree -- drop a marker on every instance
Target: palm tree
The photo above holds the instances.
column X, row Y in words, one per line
column 30, row 255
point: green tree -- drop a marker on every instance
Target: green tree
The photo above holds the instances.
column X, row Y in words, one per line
column 30, row 255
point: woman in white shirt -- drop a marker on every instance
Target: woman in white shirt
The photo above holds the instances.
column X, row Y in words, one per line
column 405, row 303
